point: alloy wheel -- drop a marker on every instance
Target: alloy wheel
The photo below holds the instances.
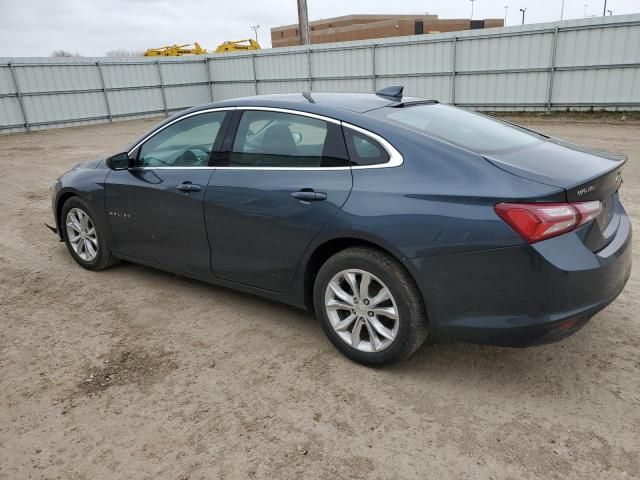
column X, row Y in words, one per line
column 362, row 310
column 82, row 235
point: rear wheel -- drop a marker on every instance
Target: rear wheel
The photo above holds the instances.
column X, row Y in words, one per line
column 369, row 307
column 84, row 237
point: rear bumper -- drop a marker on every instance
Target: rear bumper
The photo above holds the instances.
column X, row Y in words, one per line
column 523, row 295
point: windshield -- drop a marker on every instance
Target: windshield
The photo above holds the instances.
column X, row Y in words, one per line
column 460, row 127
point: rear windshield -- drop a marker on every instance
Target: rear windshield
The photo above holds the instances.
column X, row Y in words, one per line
column 460, row 127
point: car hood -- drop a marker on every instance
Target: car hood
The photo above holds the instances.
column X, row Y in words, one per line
column 90, row 164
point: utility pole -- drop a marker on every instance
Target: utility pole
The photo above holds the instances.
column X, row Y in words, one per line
column 303, row 22
column 562, row 11
column 472, row 8
column 604, row 10
column 523, row 10
column 585, row 9
column 255, row 30
column 506, row 11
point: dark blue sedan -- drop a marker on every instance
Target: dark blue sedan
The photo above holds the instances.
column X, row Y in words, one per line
column 393, row 218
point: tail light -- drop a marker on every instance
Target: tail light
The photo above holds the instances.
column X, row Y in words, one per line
column 539, row 221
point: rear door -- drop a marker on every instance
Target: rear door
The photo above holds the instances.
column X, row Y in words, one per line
column 155, row 209
column 281, row 178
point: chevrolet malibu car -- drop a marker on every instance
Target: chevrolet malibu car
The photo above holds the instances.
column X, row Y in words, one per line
column 393, row 218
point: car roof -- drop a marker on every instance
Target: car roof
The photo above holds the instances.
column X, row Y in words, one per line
column 310, row 101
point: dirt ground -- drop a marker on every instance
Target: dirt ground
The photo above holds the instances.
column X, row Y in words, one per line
column 136, row 373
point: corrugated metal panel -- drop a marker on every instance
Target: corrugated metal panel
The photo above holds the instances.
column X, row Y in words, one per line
column 135, row 101
column 118, row 76
column 341, row 63
column 420, row 58
column 529, row 51
column 48, row 108
column 11, row 113
column 180, row 72
column 597, row 86
column 266, row 88
column 501, row 88
column 232, row 68
column 603, row 46
column 56, row 78
column 282, row 66
column 350, row 85
column 187, row 96
column 6, row 82
column 223, row 91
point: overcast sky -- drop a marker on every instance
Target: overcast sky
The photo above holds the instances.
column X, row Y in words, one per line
column 93, row 27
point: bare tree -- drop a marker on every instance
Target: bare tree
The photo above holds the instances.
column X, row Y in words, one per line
column 65, row 53
column 121, row 53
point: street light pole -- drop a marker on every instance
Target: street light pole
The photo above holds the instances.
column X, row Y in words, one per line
column 472, row 8
column 506, row 11
column 255, row 30
column 604, row 10
column 585, row 9
column 523, row 10
column 562, row 11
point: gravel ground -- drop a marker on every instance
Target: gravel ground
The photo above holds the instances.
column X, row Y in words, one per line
column 136, row 373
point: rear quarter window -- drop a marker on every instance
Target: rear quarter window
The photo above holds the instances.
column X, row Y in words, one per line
column 364, row 150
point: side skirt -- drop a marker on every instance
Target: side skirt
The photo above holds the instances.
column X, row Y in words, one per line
column 277, row 297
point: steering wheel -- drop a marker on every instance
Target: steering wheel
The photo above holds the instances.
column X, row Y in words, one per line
column 189, row 158
column 149, row 160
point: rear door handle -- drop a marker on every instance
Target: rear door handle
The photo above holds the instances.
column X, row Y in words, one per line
column 309, row 195
column 189, row 187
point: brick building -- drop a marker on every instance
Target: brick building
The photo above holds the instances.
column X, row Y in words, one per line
column 360, row 27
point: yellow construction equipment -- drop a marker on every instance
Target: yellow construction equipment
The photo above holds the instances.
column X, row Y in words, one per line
column 238, row 46
column 176, row 50
column 196, row 49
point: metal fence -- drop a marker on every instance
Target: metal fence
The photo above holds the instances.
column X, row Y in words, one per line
column 578, row 64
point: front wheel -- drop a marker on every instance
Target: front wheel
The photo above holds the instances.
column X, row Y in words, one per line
column 84, row 238
column 369, row 307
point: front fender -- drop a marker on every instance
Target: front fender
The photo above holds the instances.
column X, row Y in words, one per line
column 89, row 185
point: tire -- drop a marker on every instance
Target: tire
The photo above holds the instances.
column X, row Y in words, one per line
column 403, row 334
column 103, row 257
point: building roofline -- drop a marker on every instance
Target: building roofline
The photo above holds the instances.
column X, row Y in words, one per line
column 373, row 18
column 364, row 16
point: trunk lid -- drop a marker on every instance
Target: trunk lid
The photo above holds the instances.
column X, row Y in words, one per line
column 583, row 173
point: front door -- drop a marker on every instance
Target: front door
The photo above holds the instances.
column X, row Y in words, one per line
column 285, row 178
column 155, row 208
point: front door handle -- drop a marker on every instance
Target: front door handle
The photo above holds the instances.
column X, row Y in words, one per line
column 308, row 195
column 189, row 187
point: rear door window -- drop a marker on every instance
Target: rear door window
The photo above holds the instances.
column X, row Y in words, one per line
column 277, row 139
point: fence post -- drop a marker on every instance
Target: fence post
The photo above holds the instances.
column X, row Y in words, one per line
column 309, row 67
column 453, row 69
column 552, row 69
column 373, row 66
column 164, row 97
column 104, row 91
column 206, row 66
column 255, row 75
column 19, row 94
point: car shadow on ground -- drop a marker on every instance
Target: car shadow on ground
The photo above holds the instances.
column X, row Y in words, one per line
column 485, row 367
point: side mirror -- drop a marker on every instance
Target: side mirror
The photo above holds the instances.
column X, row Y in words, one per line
column 119, row 161
column 297, row 137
